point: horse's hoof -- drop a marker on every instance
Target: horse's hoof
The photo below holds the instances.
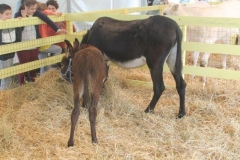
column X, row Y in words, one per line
column 149, row 111
column 181, row 115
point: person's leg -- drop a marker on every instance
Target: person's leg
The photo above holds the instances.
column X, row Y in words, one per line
column 33, row 57
column 41, row 55
column 5, row 82
column 55, row 50
column 23, row 57
column 27, row 56
column 64, row 49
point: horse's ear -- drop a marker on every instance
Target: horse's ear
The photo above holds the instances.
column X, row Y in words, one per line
column 67, row 43
column 175, row 7
column 69, row 51
column 76, row 40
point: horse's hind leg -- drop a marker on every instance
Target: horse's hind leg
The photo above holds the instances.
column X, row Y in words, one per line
column 180, row 83
column 93, row 115
column 74, row 118
column 158, row 87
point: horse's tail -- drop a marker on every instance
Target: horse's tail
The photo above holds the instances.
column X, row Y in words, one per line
column 178, row 64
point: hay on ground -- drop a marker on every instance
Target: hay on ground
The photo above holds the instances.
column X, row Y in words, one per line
column 35, row 120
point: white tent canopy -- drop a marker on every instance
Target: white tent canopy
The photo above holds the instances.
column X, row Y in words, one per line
column 85, row 6
column 68, row 6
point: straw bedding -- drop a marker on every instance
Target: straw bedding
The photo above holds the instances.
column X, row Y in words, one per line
column 35, row 120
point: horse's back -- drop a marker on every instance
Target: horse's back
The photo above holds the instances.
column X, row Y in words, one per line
column 122, row 41
column 152, row 28
column 89, row 62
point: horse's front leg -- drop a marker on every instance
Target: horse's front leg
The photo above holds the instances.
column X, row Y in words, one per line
column 107, row 69
column 158, row 87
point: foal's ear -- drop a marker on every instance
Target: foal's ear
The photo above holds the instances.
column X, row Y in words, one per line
column 70, row 51
column 76, row 45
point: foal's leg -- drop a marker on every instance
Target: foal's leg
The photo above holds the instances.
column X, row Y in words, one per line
column 74, row 117
column 93, row 115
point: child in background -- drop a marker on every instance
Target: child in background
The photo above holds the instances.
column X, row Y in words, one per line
column 29, row 9
column 53, row 6
column 7, row 36
column 44, row 32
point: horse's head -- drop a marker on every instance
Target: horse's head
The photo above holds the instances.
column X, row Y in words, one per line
column 66, row 62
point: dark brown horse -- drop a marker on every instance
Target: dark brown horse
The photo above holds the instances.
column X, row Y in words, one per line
column 152, row 41
column 89, row 71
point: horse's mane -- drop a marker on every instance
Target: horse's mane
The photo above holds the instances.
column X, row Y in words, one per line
column 85, row 38
column 83, row 46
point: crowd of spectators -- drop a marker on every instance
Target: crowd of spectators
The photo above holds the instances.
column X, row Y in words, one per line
column 25, row 9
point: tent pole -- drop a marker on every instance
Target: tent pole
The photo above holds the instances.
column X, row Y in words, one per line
column 68, row 6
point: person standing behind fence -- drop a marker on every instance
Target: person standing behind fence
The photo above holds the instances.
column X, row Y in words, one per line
column 18, row 5
column 53, row 6
column 29, row 9
column 44, row 32
column 155, row 2
column 7, row 36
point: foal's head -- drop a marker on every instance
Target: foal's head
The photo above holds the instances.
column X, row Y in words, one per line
column 66, row 62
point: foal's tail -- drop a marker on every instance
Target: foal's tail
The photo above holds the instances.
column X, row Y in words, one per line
column 178, row 64
column 86, row 94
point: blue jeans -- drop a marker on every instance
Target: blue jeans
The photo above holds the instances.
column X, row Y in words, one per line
column 54, row 49
column 5, row 82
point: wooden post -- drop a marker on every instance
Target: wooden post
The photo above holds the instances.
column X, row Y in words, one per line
column 125, row 11
column 184, row 39
column 69, row 28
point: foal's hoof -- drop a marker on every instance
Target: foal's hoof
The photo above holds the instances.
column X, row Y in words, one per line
column 95, row 142
column 70, row 144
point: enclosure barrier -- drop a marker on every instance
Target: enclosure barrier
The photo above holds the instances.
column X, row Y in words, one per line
column 123, row 14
